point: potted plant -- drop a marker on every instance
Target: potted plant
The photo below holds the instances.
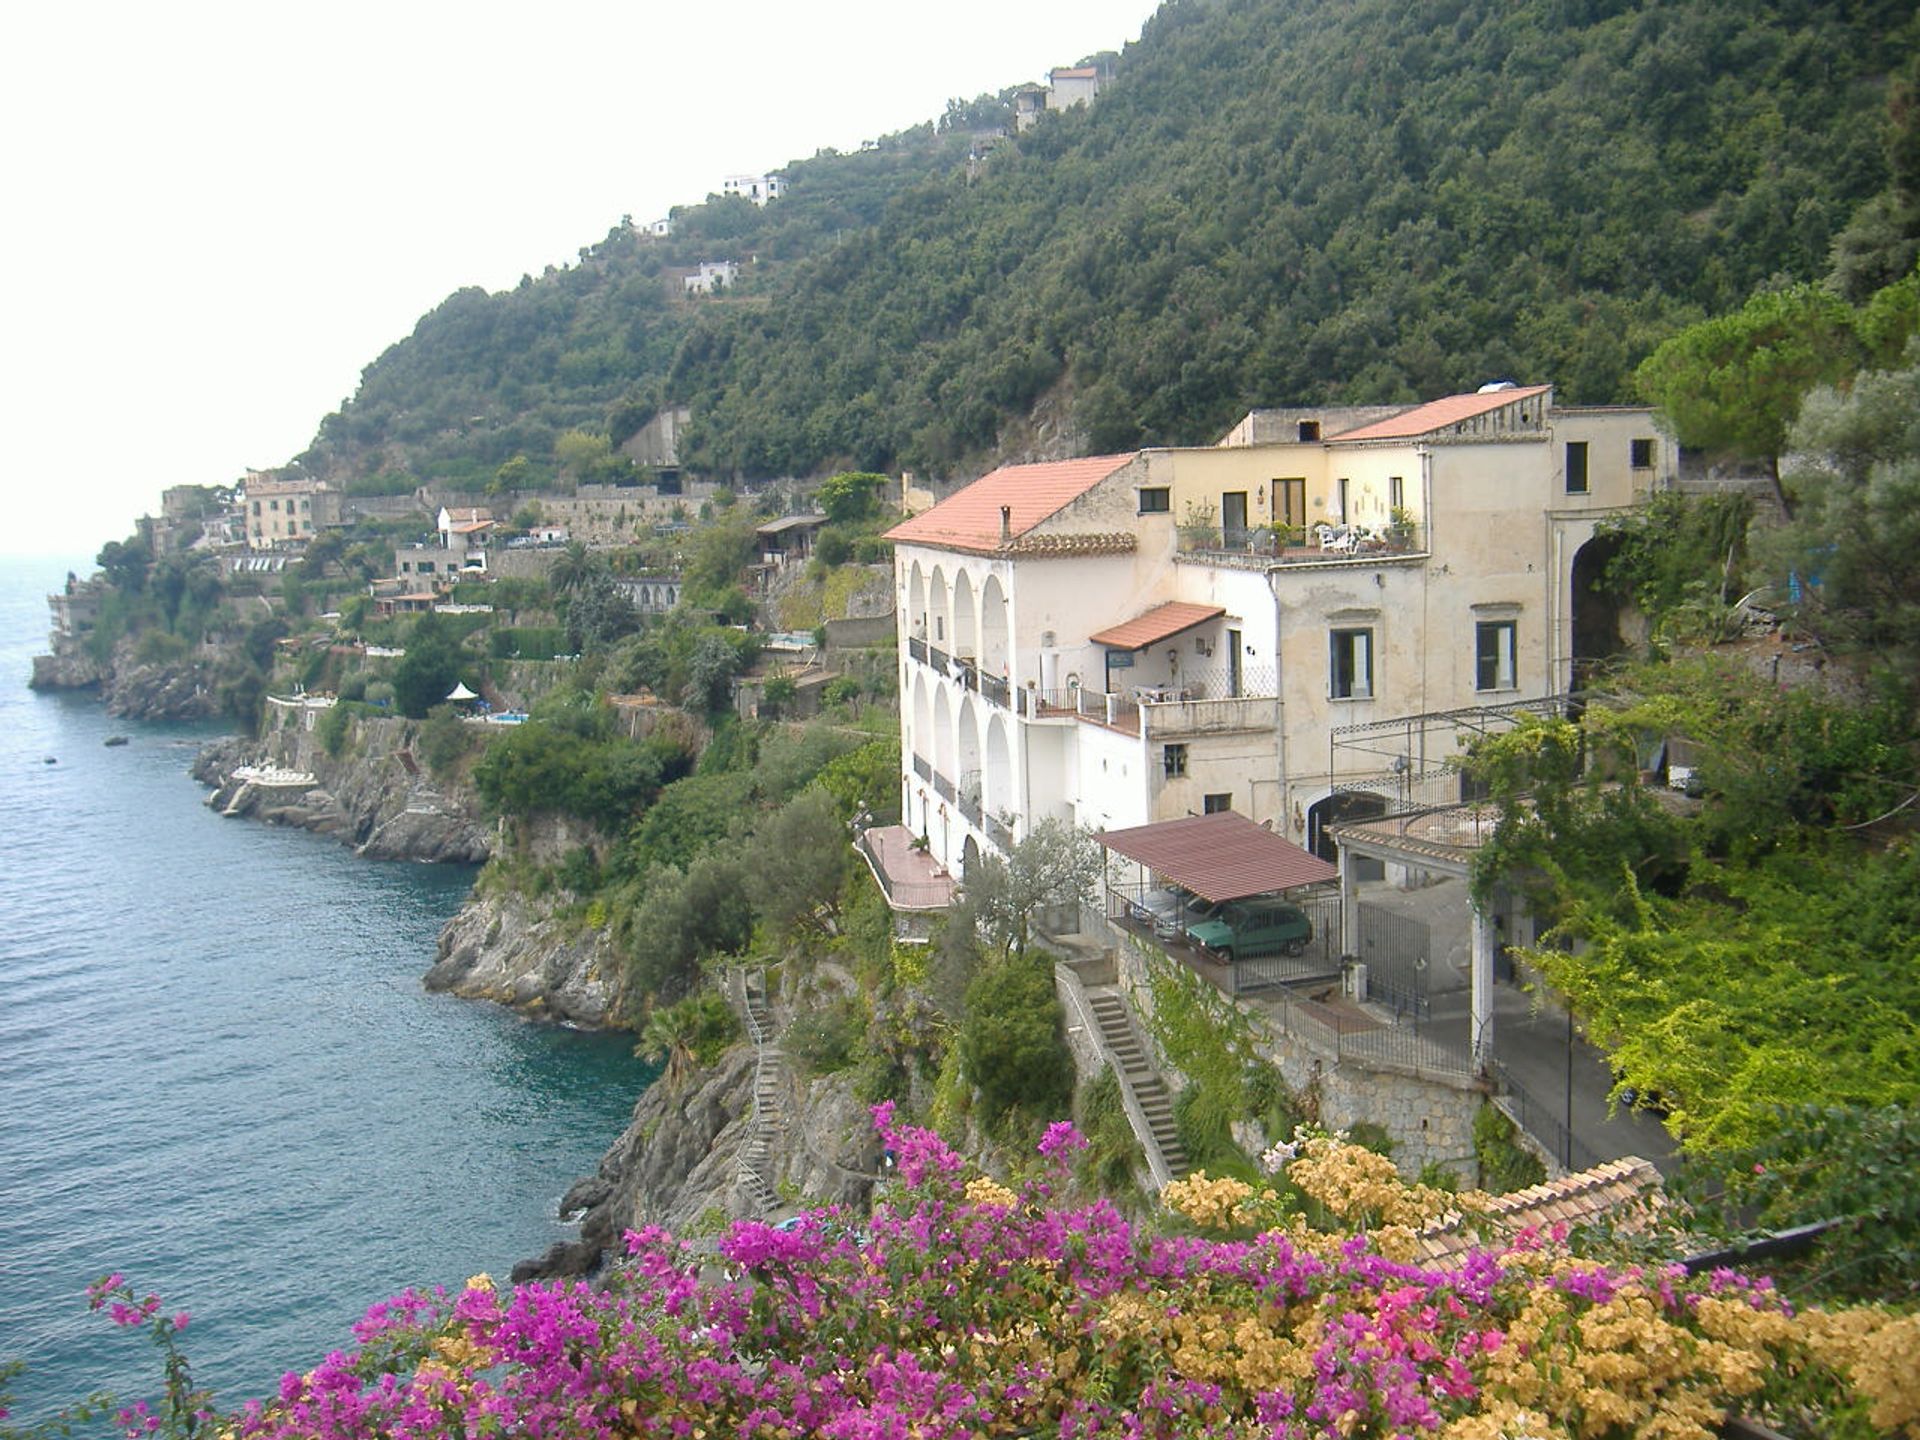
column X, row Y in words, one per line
column 1400, row 527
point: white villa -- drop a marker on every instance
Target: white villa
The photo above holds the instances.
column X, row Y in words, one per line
column 1132, row 638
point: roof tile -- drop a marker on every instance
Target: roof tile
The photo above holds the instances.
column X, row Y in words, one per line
column 970, row 518
column 1439, row 414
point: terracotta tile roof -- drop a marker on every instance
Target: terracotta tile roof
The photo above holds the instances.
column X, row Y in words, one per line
column 1622, row 1190
column 1222, row 856
column 1156, row 625
column 1040, row 545
column 1439, row 414
column 970, row 519
column 1079, row 72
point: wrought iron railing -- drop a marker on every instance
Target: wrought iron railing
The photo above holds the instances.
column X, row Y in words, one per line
column 1295, row 545
column 995, row 690
column 917, row 648
column 923, row 767
column 943, row 787
column 1542, row 1122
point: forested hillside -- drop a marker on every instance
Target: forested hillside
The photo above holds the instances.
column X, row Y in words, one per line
column 1276, row 200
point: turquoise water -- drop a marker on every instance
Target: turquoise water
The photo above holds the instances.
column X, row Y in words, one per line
column 219, row 1073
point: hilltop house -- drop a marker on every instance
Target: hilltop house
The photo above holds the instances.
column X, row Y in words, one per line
column 757, row 188
column 712, row 275
column 1131, row 638
column 1068, row 86
column 286, row 512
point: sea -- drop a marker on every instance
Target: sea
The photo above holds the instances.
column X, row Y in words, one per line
column 219, row 1073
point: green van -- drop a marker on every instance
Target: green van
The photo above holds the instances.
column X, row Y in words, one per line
column 1253, row 927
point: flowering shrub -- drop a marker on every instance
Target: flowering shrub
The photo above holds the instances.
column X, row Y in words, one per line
column 961, row 1308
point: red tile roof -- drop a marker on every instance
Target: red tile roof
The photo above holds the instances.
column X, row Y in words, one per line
column 1078, row 72
column 1626, row 1191
column 970, row 519
column 1222, row 856
column 1439, row 414
column 1156, row 625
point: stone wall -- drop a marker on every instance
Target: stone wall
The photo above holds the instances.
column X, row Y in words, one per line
column 1429, row 1118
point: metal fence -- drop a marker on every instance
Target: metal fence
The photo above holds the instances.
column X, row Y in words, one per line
column 1545, row 1124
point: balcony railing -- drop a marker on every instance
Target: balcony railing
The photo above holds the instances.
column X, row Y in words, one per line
column 996, row 690
column 1293, row 545
column 970, row 807
column 943, row 787
column 1000, row 834
column 917, row 648
column 923, row 767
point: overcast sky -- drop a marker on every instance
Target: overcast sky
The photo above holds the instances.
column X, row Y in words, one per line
column 218, row 213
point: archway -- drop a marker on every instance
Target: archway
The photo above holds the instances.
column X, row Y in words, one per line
column 966, row 624
column 1338, row 808
column 1598, row 610
column 994, row 656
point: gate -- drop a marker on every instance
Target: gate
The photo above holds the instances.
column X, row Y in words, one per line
column 1397, row 951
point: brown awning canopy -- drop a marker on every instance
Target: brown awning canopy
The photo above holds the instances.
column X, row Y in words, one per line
column 1222, row 856
column 1159, row 623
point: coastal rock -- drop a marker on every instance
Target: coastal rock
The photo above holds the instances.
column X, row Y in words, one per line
column 503, row 947
column 188, row 691
column 374, row 795
column 65, row 672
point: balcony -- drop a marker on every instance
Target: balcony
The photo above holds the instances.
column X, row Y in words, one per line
column 923, row 767
column 1264, row 545
column 917, row 648
column 943, row 787
column 1156, row 712
column 996, row 691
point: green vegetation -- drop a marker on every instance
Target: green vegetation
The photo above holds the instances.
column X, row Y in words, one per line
column 1273, row 202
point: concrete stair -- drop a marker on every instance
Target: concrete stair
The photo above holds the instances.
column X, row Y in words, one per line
column 752, row 1163
column 1138, row 1074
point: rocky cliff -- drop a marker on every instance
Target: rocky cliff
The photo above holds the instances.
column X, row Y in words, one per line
column 677, row 1163
column 185, row 690
column 374, row 795
column 507, row 948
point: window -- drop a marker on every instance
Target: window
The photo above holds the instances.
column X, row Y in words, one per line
column 1493, row 667
column 1396, row 492
column 1155, row 500
column 1351, row 665
column 1341, row 498
column 256, row 507
column 1174, row 759
column 1290, row 502
column 1309, row 430
column 1640, row 454
column 274, row 505
column 1576, row 467
column 1214, row 804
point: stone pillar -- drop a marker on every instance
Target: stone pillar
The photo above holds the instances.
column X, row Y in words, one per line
column 1482, row 1024
column 1349, row 904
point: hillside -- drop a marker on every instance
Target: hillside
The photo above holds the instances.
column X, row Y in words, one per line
column 1276, row 200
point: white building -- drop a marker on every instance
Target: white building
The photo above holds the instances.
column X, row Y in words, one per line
column 713, row 275
column 1070, row 86
column 757, row 188
column 1131, row 638
column 285, row 512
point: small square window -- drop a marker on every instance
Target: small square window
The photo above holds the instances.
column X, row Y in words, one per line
column 1155, row 500
column 1576, row 467
column 1350, row 667
column 1640, row 454
column 1493, row 655
column 1214, row 804
column 1174, row 759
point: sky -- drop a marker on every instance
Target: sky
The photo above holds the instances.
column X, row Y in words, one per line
column 217, row 214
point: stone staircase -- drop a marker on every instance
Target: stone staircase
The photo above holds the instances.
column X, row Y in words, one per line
column 1138, row 1075
column 753, row 1162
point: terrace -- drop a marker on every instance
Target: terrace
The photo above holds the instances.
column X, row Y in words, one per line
column 1264, row 545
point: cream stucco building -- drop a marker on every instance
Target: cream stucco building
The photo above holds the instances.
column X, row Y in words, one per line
column 1250, row 626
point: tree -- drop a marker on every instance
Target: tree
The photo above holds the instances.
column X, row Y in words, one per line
column 598, row 613
column 851, row 496
column 1855, row 544
column 799, row 857
column 574, row 566
column 1055, row 865
column 429, row 669
column 1733, row 384
column 1010, row 1041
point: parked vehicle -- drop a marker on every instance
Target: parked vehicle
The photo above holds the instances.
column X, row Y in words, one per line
column 1253, row 927
column 1170, row 910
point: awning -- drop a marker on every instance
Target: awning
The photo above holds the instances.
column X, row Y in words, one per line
column 460, row 692
column 1160, row 623
column 1223, row 856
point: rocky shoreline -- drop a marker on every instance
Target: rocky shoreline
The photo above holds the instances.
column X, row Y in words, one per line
column 678, row 1162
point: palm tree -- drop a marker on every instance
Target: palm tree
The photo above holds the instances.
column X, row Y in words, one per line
column 573, row 567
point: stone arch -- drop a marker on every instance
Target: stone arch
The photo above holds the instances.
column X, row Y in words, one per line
column 999, row 787
column 917, row 602
column 970, row 779
column 996, row 657
column 943, row 739
column 939, row 618
column 1339, row 807
column 966, row 617
column 1601, row 615
column 920, row 734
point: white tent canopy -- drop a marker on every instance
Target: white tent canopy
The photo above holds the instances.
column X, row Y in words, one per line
column 460, row 692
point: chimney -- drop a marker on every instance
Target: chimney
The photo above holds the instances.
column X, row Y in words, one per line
column 1006, row 524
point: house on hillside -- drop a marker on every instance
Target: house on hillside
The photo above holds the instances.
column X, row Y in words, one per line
column 1124, row 639
column 465, row 532
column 1068, row 86
column 712, row 275
column 1029, row 104
column 286, row 512
column 757, row 188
